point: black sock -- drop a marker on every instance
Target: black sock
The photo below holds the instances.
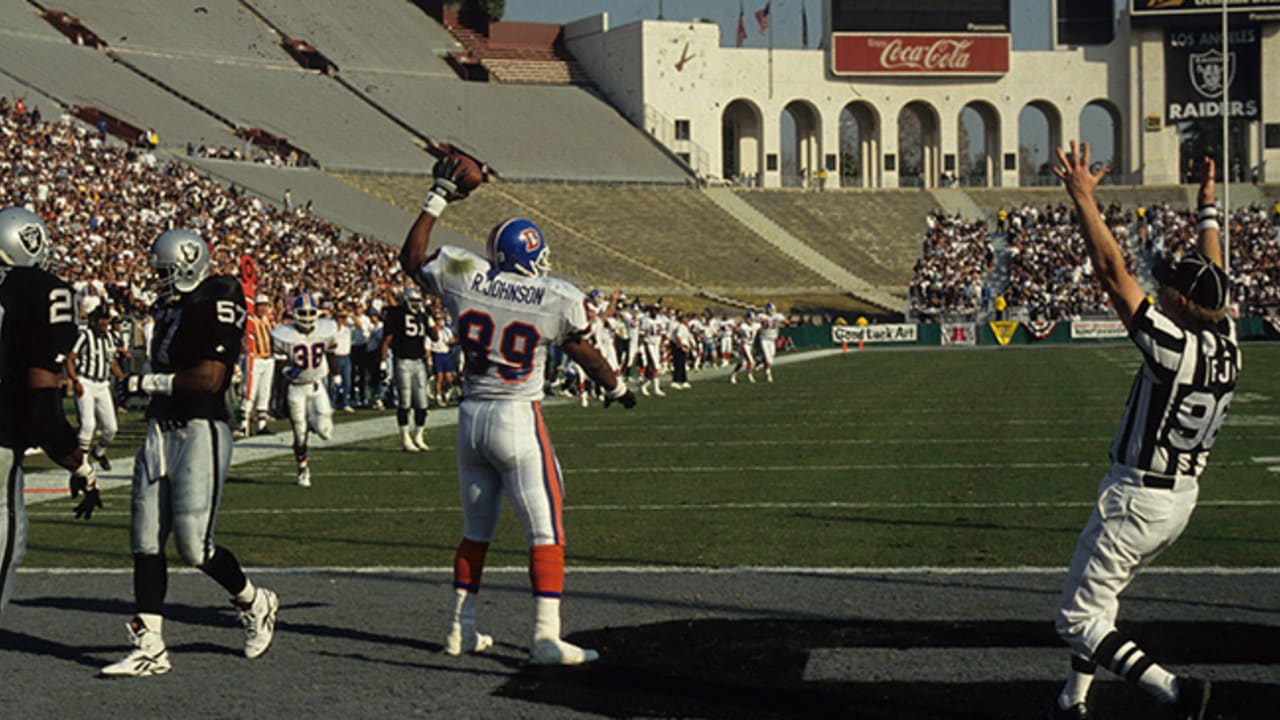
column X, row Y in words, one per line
column 150, row 583
column 223, row 567
column 420, row 417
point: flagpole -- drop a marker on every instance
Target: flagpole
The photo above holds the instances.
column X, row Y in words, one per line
column 1226, row 139
column 771, row 55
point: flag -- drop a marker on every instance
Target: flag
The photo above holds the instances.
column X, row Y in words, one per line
column 804, row 27
column 742, row 26
column 762, row 17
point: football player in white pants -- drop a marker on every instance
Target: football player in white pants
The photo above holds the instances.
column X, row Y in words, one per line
column 770, row 322
column 653, row 331
column 507, row 313
column 747, row 331
column 264, row 366
column 302, row 348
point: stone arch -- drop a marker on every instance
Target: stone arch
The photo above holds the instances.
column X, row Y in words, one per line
column 859, row 164
column 978, row 145
column 800, row 144
column 1039, row 133
column 742, row 143
column 1101, row 127
column 918, row 145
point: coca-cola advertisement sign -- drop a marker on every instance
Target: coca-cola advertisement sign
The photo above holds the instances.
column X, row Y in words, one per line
column 919, row 54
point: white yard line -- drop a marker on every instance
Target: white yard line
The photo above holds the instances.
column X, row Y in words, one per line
column 1212, row 571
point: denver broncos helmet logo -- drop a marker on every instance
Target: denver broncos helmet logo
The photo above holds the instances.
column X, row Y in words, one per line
column 532, row 239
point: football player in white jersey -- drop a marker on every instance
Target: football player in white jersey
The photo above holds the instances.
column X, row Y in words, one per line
column 747, row 331
column 507, row 313
column 301, row 348
column 770, row 322
column 653, row 331
column 631, row 331
column 726, row 330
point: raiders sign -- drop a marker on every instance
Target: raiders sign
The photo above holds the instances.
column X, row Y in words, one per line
column 1195, row 76
column 31, row 237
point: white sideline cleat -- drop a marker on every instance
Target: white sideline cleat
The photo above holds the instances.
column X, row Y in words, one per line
column 553, row 651
column 304, row 476
column 259, row 620
column 463, row 638
column 149, row 656
column 420, row 439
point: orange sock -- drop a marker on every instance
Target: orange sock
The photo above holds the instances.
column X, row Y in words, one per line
column 468, row 564
column 546, row 570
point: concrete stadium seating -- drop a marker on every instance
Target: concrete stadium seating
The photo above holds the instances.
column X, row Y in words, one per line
column 650, row 239
column 875, row 235
column 36, row 58
column 373, row 35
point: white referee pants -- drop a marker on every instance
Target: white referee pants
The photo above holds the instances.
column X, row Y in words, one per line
column 260, row 398
column 1130, row 526
column 97, row 411
column 13, row 522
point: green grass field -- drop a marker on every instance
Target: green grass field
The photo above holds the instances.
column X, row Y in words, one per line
column 887, row 458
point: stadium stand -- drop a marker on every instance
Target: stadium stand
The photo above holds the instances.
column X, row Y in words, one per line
column 874, row 235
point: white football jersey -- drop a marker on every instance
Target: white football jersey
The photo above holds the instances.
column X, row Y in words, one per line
column 504, row 321
column 304, row 353
column 653, row 329
column 747, row 331
column 769, row 325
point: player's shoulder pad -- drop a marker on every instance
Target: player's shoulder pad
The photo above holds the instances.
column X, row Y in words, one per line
column 564, row 288
column 326, row 327
column 219, row 287
column 39, row 282
column 458, row 261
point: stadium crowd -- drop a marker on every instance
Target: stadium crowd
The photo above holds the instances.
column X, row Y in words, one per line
column 1049, row 272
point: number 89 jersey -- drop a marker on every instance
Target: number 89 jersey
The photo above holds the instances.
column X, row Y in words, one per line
column 304, row 353
column 503, row 321
column 1179, row 397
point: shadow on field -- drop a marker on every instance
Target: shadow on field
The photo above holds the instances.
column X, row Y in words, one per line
column 758, row 669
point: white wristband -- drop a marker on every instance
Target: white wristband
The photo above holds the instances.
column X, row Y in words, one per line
column 618, row 391
column 155, row 384
column 85, row 472
column 434, row 204
column 1209, row 224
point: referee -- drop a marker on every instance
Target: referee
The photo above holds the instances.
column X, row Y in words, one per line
column 91, row 367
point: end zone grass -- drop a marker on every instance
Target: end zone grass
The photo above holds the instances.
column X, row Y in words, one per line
column 881, row 458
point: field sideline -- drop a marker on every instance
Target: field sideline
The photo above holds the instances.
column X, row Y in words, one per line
column 875, row 535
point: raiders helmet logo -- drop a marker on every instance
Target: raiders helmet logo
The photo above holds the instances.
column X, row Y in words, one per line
column 32, row 238
column 190, row 252
column 1206, row 72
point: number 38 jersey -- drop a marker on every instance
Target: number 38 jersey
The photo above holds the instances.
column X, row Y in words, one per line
column 37, row 330
column 304, row 353
column 1179, row 397
column 503, row 321
column 205, row 324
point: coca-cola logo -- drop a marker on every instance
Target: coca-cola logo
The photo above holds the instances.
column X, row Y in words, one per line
column 941, row 54
column 923, row 54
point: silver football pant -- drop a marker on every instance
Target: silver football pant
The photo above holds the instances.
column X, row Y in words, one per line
column 178, row 478
column 13, row 522
column 411, row 384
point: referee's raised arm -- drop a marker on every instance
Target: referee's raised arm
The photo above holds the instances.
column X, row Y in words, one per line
column 1207, row 215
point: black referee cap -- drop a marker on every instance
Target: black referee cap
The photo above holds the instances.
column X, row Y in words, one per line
column 1197, row 278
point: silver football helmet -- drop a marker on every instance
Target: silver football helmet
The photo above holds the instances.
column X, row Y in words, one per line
column 24, row 239
column 181, row 261
column 413, row 298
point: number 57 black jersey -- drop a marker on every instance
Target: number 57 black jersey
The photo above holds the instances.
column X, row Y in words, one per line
column 205, row 324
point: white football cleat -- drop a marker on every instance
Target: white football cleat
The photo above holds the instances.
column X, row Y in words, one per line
column 733, row 378
column 259, row 620
column 304, row 476
column 553, row 651
column 420, row 439
column 768, row 374
column 751, row 378
column 149, row 657
column 463, row 638
column 406, row 441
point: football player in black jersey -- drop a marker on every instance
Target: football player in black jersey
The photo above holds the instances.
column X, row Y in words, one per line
column 405, row 334
column 180, row 471
column 37, row 330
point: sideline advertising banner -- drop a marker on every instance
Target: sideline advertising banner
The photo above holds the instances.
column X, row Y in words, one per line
column 873, row 334
column 1098, row 330
column 959, row 334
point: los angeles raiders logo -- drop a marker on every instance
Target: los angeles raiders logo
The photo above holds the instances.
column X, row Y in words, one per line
column 190, row 252
column 32, row 238
column 1206, row 72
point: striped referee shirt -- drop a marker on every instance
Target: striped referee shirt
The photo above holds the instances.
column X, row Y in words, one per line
column 94, row 354
column 1179, row 397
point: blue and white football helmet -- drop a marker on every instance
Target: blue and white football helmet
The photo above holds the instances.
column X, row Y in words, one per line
column 770, row 308
column 750, row 316
column 517, row 245
column 305, row 313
